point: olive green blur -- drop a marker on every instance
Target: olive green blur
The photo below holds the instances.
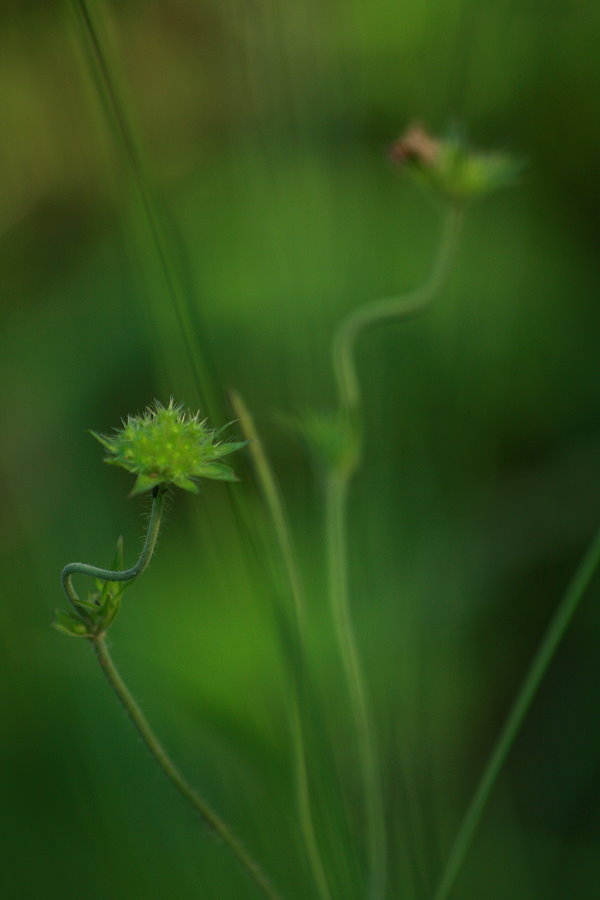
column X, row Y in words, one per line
column 193, row 193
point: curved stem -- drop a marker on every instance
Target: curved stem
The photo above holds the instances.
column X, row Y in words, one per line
column 388, row 309
column 521, row 706
column 336, row 504
column 77, row 568
column 344, row 367
column 208, row 816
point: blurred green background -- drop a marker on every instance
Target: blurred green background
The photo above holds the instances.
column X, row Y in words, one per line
column 260, row 135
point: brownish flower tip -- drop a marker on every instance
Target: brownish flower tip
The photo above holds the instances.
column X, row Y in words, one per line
column 415, row 145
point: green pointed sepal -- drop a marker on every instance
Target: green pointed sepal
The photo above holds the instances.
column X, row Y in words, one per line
column 71, row 625
column 109, row 600
column 218, row 471
column 96, row 614
column 143, row 483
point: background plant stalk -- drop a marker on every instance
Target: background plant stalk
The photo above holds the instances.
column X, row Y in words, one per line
column 524, row 698
column 336, row 500
column 297, row 629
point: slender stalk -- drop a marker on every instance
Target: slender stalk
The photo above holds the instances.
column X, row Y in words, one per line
column 210, row 818
column 77, row 568
column 344, row 366
column 336, row 510
column 212, row 821
column 521, row 706
column 307, row 825
column 401, row 307
column 115, row 109
column 274, row 503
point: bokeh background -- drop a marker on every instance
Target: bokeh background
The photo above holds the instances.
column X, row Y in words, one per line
column 257, row 154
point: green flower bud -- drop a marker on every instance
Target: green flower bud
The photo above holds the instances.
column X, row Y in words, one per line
column 450, row 168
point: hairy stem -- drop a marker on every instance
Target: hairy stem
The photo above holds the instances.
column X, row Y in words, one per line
column 77, row 568
column 210, row 818
column 521, row 706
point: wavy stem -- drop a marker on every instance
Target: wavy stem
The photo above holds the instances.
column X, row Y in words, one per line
column 521, row 706
column 377, row 312
column 77, row 568
column 344, row 366
column 208, row 816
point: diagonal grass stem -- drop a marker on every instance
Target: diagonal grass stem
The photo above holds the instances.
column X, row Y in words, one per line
column 115, row 109
column 521, row 706
column 274, row 503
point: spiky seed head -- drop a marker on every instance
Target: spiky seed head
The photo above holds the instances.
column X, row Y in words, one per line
column 168, row 445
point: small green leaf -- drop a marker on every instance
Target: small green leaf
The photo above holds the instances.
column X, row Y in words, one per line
column 185, row 484
column 217, row 470
column 70, row 625
column 224, row 449
column 109, row 610
column 144, row 483
column 88, row 606
column 115, row 566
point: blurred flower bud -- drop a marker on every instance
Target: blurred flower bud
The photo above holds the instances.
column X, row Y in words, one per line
column 448, row 167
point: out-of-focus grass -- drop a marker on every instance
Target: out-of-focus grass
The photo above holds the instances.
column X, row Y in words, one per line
column 267, row 131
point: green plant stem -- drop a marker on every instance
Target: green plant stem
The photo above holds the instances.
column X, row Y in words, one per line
column 274, row 504
column 305, row 813
column 344, row 367
column 115, row 109
column 77, row 568
column 521, row 705
column 336, row 508
column 210, row 818
column 389, row 309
